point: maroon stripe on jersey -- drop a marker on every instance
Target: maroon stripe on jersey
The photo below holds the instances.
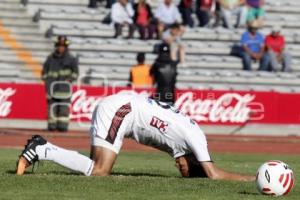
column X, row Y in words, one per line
column 117, row 121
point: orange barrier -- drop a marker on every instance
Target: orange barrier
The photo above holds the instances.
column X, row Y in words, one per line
column 21, row 52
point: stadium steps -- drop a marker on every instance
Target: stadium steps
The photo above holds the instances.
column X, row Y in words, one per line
column 17, row 32
column 79, row 22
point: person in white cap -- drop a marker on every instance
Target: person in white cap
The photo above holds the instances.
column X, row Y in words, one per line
column 275, row 44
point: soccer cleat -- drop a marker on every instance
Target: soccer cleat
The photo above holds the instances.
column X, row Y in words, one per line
column 29, row 156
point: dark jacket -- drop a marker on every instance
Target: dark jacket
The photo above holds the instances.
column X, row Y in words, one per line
column 185, row 4
column 59, row 68
column 148, row 8
column 164, row 72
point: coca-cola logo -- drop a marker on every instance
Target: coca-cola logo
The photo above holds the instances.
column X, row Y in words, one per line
column 5, row 104
column 230, row 107
column 83, row 105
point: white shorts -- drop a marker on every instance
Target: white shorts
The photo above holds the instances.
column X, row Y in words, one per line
column 100, row 142
column 106, row 118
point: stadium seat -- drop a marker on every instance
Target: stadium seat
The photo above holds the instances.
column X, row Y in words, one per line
column 208, row 59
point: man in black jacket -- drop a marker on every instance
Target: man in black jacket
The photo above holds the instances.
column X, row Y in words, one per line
column 59, row 70
column 164, row 72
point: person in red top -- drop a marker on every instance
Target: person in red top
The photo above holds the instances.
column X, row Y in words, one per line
column 204, row 9
column 143, row 19
column 275, row 44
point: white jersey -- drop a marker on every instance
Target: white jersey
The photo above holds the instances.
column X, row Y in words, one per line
column 148, row 122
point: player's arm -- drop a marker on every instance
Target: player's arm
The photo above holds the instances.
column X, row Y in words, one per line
column 216, row 173
column 198, row 144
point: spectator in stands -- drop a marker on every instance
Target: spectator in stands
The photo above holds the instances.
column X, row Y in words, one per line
column 140, row 73
column 172, row 37
column 204, row 11
column 253, row 48
column 164, row 72
column 233, row 7
column 166, row 14
column 186, row 10
column 143, row 19
column 255, row 11
column 275, row 44
column 217, row 15
column 109, row 3
column 59, row 70
column 121, row 15
column 93, row 3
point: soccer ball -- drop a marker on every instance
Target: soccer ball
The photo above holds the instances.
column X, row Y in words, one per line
column 275, row 178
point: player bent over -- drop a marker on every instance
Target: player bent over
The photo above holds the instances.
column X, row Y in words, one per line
column 145, row 120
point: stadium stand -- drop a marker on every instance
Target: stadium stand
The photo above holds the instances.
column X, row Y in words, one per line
column 209, row 64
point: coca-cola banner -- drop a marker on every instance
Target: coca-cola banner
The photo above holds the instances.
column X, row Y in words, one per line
column 28, row 101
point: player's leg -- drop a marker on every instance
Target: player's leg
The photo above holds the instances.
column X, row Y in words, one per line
column 37, row 148
column 104, row 160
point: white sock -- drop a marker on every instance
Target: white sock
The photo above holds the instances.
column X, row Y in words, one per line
column 69, row 159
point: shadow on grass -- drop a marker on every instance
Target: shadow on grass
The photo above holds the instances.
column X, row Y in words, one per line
column 249, row 193
column 66, row 173
column 139, row 174
column 13, row 172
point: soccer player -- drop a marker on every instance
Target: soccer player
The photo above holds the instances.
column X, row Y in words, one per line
column 145, row 120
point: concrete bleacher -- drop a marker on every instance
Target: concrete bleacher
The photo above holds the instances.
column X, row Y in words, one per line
column 17, row 32
column 209, row 64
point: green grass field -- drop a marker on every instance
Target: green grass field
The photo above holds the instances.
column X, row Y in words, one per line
column 136, row 176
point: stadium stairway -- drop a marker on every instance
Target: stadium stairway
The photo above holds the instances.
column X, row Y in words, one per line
column 209, row 65
column 208, row 60
column 17, row 33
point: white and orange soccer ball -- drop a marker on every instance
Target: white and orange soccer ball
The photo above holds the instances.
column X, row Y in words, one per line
column 275, row 178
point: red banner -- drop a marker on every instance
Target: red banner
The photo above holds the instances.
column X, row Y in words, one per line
column 28, row 101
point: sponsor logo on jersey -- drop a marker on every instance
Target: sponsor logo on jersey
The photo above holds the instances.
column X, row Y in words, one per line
column 159, row 124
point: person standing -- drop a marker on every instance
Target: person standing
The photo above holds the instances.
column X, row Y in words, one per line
column 173, row 36
column 164, row 72
column 59, row 71
column 140, row 73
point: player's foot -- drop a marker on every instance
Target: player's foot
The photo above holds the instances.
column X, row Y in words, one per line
column 29, row 155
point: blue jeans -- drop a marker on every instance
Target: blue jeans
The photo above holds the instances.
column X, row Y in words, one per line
column 247, row 62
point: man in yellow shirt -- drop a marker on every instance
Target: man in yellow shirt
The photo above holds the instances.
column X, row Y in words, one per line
column 140, row 73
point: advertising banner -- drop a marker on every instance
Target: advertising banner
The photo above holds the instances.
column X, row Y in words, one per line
column 28, row 101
